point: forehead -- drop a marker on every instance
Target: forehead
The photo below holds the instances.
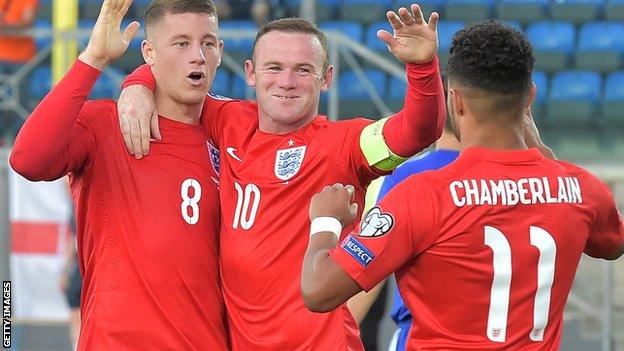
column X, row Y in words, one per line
column 188, row 24
column 288, row 47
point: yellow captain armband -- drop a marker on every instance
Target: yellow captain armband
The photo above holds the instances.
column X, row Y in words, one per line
column 374, row 147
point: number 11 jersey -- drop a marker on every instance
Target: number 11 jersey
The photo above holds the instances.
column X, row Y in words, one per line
column 485, row 249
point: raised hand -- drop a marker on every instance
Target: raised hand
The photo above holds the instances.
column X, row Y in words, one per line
column 414, row 40
column 107, row 42
column 532, row 136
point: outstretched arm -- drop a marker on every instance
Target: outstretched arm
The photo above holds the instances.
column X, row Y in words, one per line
column 421, row 120
column 42, row 148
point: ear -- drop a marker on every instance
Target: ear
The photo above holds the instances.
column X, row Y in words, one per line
column 458, row 103
column 220, row 52
column 328, row 78
column 149, row 54
column 532, row 95
column 249, row 73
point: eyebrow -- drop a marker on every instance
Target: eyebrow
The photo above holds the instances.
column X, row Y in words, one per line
column 276, row 63
column 188, row 37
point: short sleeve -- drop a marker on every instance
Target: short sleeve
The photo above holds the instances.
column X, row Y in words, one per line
column 607, row 234
column 399, row 228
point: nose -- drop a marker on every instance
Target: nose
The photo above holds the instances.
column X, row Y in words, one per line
column 287, row 79
column 198, row 56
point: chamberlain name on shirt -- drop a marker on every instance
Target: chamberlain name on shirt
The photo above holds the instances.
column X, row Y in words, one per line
column 526, row 191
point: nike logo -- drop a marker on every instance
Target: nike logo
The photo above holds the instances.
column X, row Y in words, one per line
column 231, row 151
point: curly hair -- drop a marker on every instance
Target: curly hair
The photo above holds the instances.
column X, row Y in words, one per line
column 492, row 57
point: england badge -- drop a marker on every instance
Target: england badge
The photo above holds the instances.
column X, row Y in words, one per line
column 214, row 156
column 288, row 162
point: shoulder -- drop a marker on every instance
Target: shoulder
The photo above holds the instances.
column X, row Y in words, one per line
column 95, row 112
column 353, row 123
column 219, row 101
column 220, row 104
column 342, row 130
column 589, row 182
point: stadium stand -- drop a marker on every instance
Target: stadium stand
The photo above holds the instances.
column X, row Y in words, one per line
column 446, row 30
column 427, row 6
column 468, row 10
column 576, row 11
column 354, row 99
column 553, row 44
column 364, row 11
column 522, row 11
column 574, row 97
column 613, row 101
column 600, row 47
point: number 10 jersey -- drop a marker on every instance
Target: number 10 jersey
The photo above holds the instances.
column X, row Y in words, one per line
column 266, row 183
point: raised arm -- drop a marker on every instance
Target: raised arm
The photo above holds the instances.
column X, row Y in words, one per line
column 421, row 120
column 42, row 147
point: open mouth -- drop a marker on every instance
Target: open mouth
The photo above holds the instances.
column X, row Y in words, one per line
column 196, row 76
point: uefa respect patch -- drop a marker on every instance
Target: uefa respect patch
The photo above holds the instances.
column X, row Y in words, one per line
column 357, row 250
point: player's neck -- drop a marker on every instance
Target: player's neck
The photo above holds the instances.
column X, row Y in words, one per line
column 502, row 136
column 189, row 114
column 448, row 141
column 270, row 125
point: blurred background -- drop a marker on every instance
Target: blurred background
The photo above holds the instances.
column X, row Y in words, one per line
column 579, row 72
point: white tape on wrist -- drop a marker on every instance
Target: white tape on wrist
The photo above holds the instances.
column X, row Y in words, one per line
column 326, row 224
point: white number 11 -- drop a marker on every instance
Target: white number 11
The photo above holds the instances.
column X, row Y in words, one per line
column 499, row 295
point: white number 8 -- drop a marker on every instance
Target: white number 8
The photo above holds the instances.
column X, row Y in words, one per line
column 190, row 202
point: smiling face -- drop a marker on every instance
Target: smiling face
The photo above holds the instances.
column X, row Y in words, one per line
column 287, row 72
column 184, row 51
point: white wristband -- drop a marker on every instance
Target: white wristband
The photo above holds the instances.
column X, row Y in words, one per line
column 326, row 224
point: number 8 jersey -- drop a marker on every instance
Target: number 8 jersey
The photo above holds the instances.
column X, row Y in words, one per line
column 146, row 229
column 485, row 250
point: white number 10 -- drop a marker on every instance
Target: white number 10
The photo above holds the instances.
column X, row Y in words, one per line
column 499, row 295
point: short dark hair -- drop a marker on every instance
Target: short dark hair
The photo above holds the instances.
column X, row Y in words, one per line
column 157, row 10
column 492, row 57
column 295, row 25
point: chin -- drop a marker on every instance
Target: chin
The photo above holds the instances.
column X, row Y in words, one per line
column 196, row 98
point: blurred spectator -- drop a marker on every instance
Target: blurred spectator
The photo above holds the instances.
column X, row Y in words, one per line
column 16, row 15
column 258, row 10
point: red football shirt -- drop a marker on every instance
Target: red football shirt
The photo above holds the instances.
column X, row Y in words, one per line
column 147, row 229
column 485, row 250
column 266, row 182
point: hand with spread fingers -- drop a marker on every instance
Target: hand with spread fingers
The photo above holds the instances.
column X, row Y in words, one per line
column 335, row 201
column 414, row 40
column 107, row 42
